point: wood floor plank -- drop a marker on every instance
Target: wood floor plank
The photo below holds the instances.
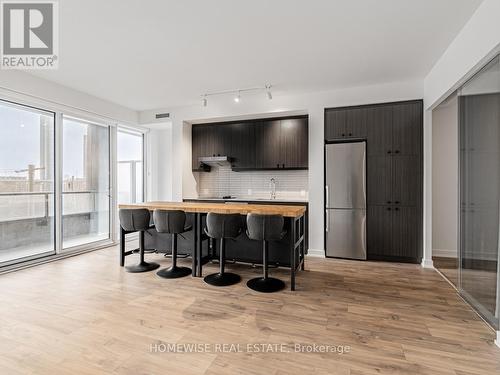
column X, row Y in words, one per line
column 86, row 315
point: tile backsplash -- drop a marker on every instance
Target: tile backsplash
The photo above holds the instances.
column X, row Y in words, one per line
column 223, row 181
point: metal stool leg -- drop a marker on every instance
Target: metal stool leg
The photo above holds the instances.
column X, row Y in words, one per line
column 265, row 284
column 222, row 278
column 142, row 266
column 174, row 272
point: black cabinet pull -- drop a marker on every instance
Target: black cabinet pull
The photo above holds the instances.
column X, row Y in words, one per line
column 283, row 165
column 397, row 151
column 396, row 209
column 213, row 155
column 388, row 208
column 343, row 135
column 350, row 134
column 388, row 202
column 389, row 151
column 397, row 202
column 277, row 165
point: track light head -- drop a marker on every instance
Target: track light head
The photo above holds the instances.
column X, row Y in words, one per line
column 268, row 92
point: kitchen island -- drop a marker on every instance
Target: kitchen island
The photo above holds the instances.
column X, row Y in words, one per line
column 289, row 252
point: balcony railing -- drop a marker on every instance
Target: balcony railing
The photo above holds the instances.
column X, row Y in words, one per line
column 32, row 205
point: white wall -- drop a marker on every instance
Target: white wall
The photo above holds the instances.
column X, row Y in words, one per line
column 445, row 179
column 251, row 106
column 159, row 169
column 476, row 43
column 21, row 86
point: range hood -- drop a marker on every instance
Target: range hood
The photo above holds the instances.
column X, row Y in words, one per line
column 215, row 161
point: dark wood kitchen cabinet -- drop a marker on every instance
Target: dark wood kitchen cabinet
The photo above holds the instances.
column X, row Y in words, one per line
column 392, row 233
column 293, row 144
column 268, row 144
column 394, row 173
column 242, row 146
column 282, row 144
column 342, row 123
column 203, row 144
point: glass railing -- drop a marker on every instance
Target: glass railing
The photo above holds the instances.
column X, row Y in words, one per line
column 27, row 221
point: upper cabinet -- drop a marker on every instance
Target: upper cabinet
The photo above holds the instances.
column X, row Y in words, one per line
column 254, row 145
column 294, row 149
column 242, row 146
column 342, row 123
column 267, row 144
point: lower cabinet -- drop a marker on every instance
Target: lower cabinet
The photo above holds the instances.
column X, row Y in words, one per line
column 393, row 233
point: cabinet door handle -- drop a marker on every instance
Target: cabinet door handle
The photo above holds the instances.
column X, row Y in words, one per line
column 283, row 165
column 397, row 202
column 327, row 220
column 396, row 209
column 277, row 165
column 397, row 151
column 343, row 134
column 350, row 134
column 388, row 208
column 327, row 193
column 389, row 151
column 388, row 202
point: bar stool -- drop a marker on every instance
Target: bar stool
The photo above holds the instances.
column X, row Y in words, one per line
column 137, row 220
column 222, row 227
column 173, row 222
column 265, row 228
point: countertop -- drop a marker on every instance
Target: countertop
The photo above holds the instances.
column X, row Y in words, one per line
column 223, row 208
column 249, row 199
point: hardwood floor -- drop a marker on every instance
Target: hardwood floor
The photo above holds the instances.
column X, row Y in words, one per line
column 86, row 315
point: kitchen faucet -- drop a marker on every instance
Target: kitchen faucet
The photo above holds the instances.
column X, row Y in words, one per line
column 273, row 188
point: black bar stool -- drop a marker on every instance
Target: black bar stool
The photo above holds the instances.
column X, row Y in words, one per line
column 173, row 222
column 222, row 227
column 265, row 228
column 137, row 220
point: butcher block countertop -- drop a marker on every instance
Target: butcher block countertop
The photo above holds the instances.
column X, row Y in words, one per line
column 222, row 208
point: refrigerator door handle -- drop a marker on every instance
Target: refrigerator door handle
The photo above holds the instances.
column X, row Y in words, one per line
column 327, row 219
column 327, row 192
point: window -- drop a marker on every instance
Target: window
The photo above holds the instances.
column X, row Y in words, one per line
column 26, row 183
column 86, row 183
column 130, row 166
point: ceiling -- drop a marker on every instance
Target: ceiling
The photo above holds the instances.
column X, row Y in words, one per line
column 161, row 53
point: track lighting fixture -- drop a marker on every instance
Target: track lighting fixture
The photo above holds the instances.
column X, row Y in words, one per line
column 237, row 93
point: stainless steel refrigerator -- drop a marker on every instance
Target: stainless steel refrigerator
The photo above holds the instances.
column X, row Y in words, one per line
column 345, row 200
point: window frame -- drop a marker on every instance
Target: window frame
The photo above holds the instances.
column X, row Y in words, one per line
column 59, row 111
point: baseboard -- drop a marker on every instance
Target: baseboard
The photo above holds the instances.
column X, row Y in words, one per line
column 316, row 253
column 444, row 253
column 427, row 263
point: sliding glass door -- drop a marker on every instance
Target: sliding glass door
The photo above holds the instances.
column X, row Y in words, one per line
column 479, row 118
column 26, row 183
column 86, row 183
